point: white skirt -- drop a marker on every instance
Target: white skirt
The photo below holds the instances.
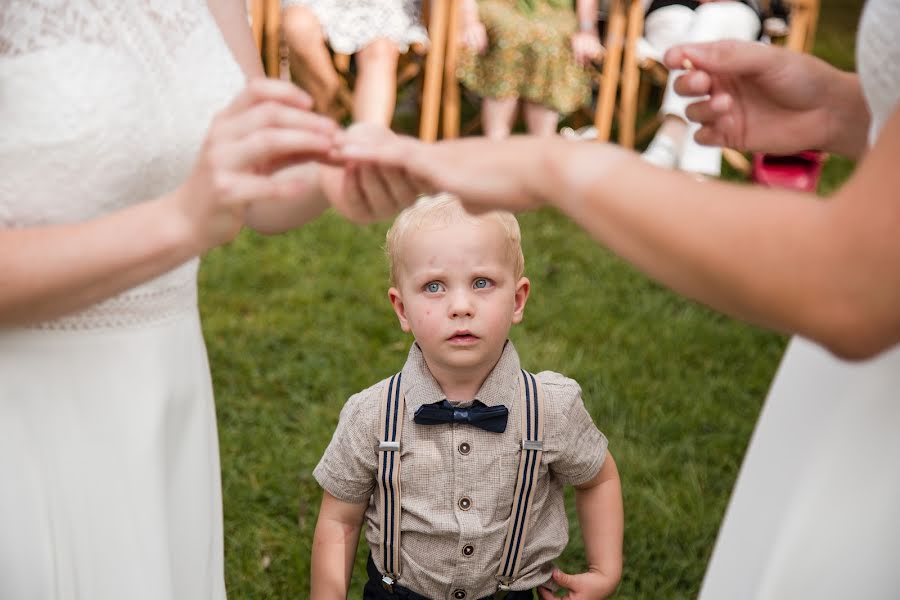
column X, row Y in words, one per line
column 351, row 25
column 815, row 512
column 109, row 465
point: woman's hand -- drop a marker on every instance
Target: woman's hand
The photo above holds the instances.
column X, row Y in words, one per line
column 485, row 174
column 267, row 125
column 368, row 192
column 765, row 98
column 586, row 47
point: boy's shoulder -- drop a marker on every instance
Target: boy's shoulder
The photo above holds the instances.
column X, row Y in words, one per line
column 368, row 398
column 561, row 392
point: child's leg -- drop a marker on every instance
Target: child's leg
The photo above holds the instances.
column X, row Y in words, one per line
column 665, row 28
column 311, row 64
column 539, row 119
column 497, row 115
column 375, row 92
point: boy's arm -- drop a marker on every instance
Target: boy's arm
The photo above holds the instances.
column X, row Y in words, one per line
column 334, row 547
column 600, row 514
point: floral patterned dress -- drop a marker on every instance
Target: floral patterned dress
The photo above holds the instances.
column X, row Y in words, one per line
column 529, row 56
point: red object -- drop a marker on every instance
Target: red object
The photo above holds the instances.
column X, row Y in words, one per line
column 799, row 171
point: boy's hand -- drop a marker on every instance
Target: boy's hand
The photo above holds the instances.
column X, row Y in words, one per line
column 592, row 585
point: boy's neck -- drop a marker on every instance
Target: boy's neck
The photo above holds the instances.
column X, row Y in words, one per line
column 461, row 385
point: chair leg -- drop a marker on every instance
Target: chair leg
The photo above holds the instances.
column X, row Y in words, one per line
column 631, row 75
column 451, row 106
column 434, row 69
column 612, row 66
column 272, row 45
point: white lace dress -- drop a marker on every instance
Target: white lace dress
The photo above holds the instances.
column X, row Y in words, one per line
column 816, row 509
column 351, row 25
column 109, row 464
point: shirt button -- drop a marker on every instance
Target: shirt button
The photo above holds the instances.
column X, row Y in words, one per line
column 468, row 550
column 464, row 448
column 465, row 503
column 460, row 594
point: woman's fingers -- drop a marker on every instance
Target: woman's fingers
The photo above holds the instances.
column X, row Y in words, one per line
column 268, row 146
column 263, row 89
column 710, row 111
column 401, row 188
column 693, row 83
column 272, row 114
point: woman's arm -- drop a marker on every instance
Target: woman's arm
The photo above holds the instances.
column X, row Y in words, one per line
column 231, row 17
column 829, row 270
column 334, row 547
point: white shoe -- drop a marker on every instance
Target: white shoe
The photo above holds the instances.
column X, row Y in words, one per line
column 662, row 152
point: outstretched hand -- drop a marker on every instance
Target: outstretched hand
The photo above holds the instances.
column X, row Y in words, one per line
column 592, row 585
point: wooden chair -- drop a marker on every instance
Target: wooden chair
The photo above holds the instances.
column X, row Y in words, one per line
column 804, row 18
column 265, row 18
column 607, row 80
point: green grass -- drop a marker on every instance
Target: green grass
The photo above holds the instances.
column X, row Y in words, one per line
column 296, row 323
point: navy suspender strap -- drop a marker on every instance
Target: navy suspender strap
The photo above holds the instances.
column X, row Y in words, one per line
column 391, row 426
column 532, row 409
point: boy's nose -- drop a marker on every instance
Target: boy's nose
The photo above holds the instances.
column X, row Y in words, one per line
column 461, row 306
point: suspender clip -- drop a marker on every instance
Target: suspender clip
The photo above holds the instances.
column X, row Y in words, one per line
column 387, row 583
column 388, row 446
column 532, row 445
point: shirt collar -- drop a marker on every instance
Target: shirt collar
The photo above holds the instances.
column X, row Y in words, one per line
column 420, row 387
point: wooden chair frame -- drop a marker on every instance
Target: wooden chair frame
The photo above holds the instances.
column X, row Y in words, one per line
column 607, row 80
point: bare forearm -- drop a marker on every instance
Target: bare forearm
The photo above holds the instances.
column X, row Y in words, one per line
column 50, row 271
column 278, row 217
column 334, row 549
column 231, row 17
column 776, row 258
column 586, row 11
column 600, row 514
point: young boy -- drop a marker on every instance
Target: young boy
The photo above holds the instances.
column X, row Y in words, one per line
column 479, row 448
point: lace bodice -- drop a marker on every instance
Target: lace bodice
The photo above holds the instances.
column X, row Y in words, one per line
column 878, row 60
column 103, row 105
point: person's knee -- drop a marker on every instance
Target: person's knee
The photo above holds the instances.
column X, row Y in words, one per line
column 727, row 20
column 381, row 51
column 301, row 28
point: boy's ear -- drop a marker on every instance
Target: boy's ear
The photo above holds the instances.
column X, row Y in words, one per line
column 523, row 288
column 399, row 308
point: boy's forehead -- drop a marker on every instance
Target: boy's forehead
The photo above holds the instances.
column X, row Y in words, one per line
column 456, row 243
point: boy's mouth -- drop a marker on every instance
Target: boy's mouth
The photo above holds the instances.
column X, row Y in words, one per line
column 464, row 336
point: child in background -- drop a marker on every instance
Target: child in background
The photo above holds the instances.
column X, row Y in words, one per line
column 536, row 52
column 376, row 32
column 672, row 22
column 484, row 448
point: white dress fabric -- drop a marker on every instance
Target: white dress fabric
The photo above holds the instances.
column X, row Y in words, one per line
column 815, row 512
column 109, row 464
column 351, row 25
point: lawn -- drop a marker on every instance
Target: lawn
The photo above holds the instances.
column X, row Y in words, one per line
column 298, row 322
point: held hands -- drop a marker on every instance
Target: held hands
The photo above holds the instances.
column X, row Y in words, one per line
column 592, row 585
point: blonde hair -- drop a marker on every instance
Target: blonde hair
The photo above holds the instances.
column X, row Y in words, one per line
column 443, row 209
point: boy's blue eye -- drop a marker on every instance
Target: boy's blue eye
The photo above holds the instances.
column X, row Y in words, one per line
column 433, row 287
column 481, row 283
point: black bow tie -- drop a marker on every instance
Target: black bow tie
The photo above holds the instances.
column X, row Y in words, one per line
column 489, row 418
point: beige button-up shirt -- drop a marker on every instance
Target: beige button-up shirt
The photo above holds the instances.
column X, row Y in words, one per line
column 457, row 481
